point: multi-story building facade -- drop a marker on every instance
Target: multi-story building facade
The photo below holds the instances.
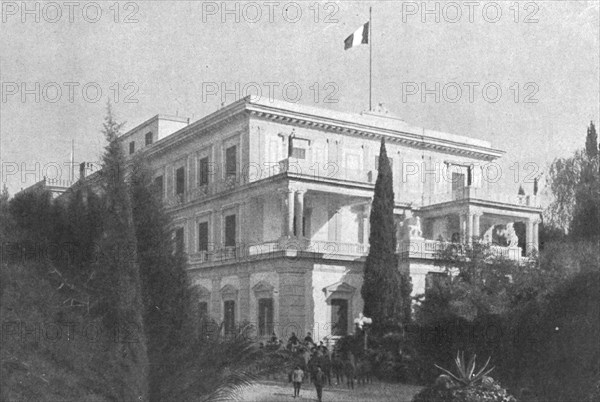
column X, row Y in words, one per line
column 271, row 200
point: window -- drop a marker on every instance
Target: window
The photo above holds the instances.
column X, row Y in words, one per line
column 159, row 186
column 298, row 153
column 180, row 181
column 231, row 161
column 265, row 317
column 339, row 317
column 230, row 231
column 149, row 138
column 297, row 147
column 203, row 172
column 377, row 162
column 229, row 316
column 435, row 280
column 179, row 242
column 131, row 147
column 203, row 236
column 203, row 310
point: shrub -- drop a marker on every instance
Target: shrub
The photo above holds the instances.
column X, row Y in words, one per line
column 466, row 385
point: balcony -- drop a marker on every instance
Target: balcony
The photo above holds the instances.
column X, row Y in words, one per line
column 473, row 193
column 430, row 249
column 326, row 249
column 413, row 249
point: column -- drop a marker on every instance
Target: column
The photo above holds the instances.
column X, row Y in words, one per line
column 469, row 228
column 476, row 230
column 283, row 202
column 529, row 236
column 365, row 218
column 462, row 218
column 300, row 214
column 290, row 212
column 536, row 233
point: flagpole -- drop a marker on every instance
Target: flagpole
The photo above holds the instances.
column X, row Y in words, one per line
column 370, row 60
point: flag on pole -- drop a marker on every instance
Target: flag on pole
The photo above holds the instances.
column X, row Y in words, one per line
column 360, row 36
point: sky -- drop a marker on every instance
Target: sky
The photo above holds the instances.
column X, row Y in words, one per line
column 522, row 75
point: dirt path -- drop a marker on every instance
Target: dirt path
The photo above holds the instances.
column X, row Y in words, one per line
column 278, row 392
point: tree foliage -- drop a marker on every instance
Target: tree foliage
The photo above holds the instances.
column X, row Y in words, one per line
column 478, row 282
column 167, row 297
column 575, row 186
column 563, row 177
column 118, row 258
column 5, row 224
column 383, row 289
column 586, row 223
column 117, row 282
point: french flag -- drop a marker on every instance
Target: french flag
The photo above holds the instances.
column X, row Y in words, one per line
column 360, row 36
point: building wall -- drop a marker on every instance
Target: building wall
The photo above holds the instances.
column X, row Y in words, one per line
column 418, row 274
column 325, row 275
column 418, row 173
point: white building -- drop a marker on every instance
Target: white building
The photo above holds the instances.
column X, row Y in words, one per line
column 270, row 201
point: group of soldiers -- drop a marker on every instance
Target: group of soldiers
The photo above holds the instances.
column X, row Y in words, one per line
column 309, row 357
column 343, row 366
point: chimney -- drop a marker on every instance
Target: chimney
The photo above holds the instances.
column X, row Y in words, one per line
column 82, row 171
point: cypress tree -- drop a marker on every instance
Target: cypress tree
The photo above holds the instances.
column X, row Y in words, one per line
column 383, row 290
column 591, row 142
column 586, row 220
column 117, row 281
column 166, row 292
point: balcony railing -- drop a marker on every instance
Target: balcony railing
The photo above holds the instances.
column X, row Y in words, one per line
column 431, row 249
column 328, row 249
column 467, row 193
column 415, row 248
column 327, row 171
column 65, row 183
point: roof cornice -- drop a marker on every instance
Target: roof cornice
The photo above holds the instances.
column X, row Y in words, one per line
column 312, row 120
column 216, row 119
column 358, row 129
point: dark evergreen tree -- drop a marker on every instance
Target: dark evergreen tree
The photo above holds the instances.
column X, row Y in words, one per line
column 168, row 319
column 384, row 289
column 4, row 216
column 591, row 142
column 79, row 227
column 586, row 222
column 117, row 280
